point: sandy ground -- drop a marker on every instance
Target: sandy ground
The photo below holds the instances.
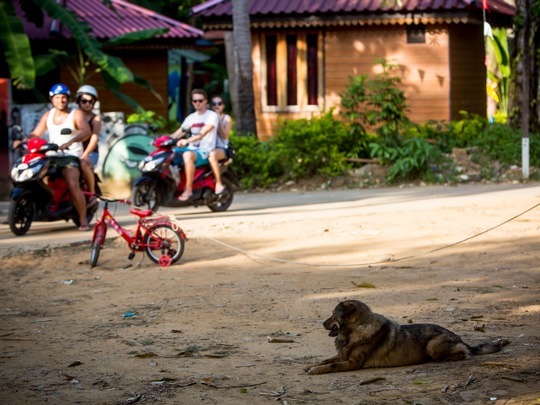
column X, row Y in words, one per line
column 200, row 331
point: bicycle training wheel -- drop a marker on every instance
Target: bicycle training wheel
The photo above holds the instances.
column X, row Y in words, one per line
column 163, row 240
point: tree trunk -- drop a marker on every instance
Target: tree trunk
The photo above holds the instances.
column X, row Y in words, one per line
column 230, row 57
column 525, row 88
column 245, row 116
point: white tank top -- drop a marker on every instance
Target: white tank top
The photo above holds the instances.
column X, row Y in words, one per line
column 55, row 135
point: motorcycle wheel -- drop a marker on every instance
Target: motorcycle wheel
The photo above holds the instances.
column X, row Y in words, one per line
column 145, row 195
column 20, row 215
column 226, row 198
column 164, row 240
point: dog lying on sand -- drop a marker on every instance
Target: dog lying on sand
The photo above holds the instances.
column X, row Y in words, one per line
column 365, row 339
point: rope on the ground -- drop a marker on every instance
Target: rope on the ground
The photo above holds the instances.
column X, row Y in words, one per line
column 250, row 255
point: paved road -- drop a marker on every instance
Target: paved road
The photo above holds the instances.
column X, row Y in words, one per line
column 255, row 206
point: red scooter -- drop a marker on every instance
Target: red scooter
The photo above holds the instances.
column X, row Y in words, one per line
column 161, row 182
column 39, row 191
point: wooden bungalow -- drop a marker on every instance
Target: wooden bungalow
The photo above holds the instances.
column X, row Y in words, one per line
column 304, row 52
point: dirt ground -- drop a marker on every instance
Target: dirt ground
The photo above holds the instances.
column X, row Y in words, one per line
column 237, row 319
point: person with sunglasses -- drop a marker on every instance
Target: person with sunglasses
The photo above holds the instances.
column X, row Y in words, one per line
column 222, row 141
column 66, row 127
column 194, row 151
column 86, row 98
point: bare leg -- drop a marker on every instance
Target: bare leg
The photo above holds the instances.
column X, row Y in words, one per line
column 215, row 156
column 88, row 175
column 72, row 174
column 189, row 167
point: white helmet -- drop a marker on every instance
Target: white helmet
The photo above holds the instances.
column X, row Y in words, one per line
column 86, row 89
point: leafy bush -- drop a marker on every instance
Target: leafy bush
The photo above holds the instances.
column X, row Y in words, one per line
column 257, row 163
column 317, row 146
column 154, row 121
column 409, row 161
column 502, row 143
column 377, row 103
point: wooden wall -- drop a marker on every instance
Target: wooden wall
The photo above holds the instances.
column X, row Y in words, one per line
column 425, row 70
column 149, row 64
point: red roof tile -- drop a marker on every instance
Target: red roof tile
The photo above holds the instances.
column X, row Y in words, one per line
column 107, row 23
column 222, row 8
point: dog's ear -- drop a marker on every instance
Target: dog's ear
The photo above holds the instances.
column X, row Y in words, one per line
column 347, row 308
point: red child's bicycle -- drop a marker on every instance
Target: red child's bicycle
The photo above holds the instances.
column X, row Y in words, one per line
column 161, row 238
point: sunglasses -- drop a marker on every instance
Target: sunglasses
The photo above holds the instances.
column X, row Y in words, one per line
column 217, row 103
column 197, row 100
column 86, row 101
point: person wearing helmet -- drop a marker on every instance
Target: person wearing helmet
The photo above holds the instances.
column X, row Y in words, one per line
column 86, row 98
column 64, row 124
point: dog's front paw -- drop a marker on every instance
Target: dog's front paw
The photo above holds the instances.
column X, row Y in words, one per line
column 314, row 370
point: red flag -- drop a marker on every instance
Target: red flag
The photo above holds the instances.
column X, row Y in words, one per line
column 485, row 5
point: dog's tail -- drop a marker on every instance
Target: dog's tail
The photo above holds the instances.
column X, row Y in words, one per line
column 489, row 347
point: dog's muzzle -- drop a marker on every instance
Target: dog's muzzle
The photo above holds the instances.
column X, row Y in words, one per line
column 332, row 325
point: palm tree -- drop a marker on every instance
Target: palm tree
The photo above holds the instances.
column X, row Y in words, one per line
column 525, row 100
column 243, row 70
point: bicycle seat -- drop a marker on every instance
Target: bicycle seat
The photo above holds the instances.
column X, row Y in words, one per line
column 141, row 213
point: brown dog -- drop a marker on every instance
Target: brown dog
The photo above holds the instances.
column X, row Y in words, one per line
column 365, row 339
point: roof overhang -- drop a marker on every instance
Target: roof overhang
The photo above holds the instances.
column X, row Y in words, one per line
column 314, row 21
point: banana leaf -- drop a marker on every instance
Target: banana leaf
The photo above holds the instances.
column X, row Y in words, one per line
column 16, row 46
column 90, row 45
column 114, row 86
column 50, row 61
column 146, row 84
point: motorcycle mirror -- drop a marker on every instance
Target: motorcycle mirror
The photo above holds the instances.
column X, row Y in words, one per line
column 65, row 131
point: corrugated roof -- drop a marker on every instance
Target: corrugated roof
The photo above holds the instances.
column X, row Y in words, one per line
column 223, row 8
column 108, row 23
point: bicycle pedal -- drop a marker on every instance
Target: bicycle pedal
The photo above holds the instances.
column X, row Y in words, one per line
column 131, row 256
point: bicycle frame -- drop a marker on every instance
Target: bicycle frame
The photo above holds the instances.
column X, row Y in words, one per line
column 135, row 237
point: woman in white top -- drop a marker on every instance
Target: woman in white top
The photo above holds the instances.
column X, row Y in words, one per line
column 222, row 141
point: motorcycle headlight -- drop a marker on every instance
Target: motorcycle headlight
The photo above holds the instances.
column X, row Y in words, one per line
column 24, row 172
column 152, row 164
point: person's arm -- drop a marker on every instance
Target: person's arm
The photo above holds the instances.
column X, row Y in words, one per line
column 180, row 132
column 204, row 131
column 94, row 138
column 37, row 132
column 226, row 128
column 84, row 129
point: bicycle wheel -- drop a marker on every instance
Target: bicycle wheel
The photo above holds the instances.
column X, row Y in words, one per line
column 163, row 240
column 100, row 230
column 94, row 256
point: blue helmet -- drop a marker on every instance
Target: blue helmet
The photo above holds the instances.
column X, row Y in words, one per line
column 59, row 89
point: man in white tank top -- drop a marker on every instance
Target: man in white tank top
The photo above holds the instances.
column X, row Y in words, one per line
column 63, row 124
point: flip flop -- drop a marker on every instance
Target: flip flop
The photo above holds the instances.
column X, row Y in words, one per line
column 184, row 197
column 219, row 189
column 84, row 228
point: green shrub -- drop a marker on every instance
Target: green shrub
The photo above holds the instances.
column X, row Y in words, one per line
column 317, row 146
column 377, row 102
column 412, row 160
column 257, row 163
